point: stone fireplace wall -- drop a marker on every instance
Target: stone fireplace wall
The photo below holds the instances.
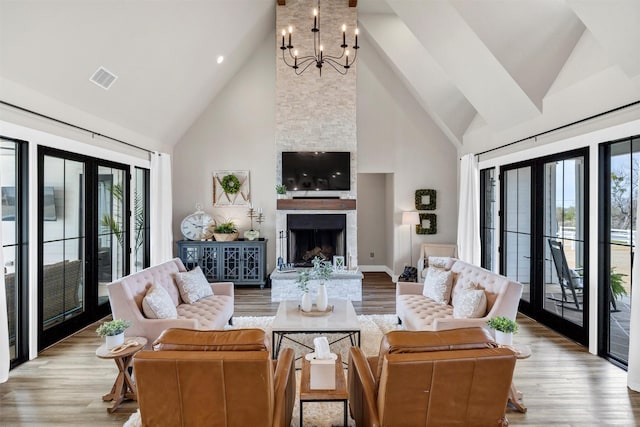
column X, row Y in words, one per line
column 313, row 112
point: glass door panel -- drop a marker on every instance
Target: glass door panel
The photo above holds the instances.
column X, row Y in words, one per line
column 63, row 244
column 14, row 244
column 563, row 239
column 112, row 228
column 517, row 227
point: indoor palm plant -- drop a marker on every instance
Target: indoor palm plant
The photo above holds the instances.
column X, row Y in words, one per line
column 504, row 327
column 113, row 331
column 281, row 191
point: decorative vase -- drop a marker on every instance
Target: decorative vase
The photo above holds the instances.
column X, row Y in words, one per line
column 322, row 300
column 251, row 234
column 114, row 340
column 504, row 338
column 225, row 237
column 305, row 304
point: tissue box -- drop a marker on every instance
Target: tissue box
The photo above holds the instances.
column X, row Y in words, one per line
column 323, row 374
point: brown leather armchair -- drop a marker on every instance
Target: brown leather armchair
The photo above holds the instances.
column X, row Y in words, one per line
column 454, row 378
column 214, row 378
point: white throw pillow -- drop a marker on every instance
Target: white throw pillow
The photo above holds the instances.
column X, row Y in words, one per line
column 437, row 285
column 193, row 285
column 470, row 301
column 441, row 262
column 157, row 304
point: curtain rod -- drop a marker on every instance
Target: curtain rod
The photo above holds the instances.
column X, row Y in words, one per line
column 604, row 113
column 93, row 133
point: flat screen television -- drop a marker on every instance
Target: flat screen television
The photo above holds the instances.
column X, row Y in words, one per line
column 316, row 170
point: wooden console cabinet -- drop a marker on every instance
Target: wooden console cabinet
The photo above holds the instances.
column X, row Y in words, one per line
column 242, row 262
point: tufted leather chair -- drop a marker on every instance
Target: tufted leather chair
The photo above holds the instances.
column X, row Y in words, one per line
column 455, row 378
column 214, row 378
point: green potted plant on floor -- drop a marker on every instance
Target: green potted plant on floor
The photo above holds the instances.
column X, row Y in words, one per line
column 113, row 331
column 616, row 283
column 504, row 327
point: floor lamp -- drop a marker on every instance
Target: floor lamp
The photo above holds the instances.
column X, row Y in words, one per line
column 410, row 218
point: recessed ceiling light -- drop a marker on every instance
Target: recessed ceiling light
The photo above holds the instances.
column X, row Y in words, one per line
column 220, row 59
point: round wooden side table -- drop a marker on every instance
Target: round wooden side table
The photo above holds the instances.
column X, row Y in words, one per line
column 522, row 351
column 124, row 387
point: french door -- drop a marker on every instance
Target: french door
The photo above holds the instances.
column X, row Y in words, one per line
column 544, row 219
column 14, row 208
column 83, row 229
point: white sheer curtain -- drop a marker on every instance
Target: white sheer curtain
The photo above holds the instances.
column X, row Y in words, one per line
column 469, row 210
column 4, row 323
column 633, row 371
column 161, row 237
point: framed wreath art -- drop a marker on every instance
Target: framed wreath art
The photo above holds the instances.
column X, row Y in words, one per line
column 428, row 224
column 425, row 200
column 231, row 188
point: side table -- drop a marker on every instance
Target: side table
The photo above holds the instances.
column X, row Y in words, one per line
column 522, row 351
column 124, row 386
column 340, row 394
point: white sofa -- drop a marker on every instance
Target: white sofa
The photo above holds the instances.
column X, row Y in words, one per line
column 127, row 293
column 420, row 313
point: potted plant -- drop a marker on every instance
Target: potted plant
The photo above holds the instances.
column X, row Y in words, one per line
column 504, row 327
column 225, row 231
column 303, row 284
column 615, row 281
column 281, row 191
column 113, row 331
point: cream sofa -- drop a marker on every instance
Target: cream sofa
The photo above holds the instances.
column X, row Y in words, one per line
column 126, row 297
column 419, row 313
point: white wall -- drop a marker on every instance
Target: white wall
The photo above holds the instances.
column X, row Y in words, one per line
column 372, row 238
column 235, row 132
column 396, row 136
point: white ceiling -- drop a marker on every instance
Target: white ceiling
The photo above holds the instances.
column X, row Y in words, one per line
column 470, row 63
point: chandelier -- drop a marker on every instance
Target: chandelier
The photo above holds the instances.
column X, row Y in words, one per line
column 300, row 64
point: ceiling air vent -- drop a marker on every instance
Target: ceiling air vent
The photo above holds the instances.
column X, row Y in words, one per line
column 103, row 78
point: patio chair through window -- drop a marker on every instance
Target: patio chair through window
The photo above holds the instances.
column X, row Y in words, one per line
column 570, row 280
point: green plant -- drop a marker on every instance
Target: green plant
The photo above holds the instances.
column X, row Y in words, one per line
column 615, row 281
column 113, row 327
column 321, row 270
column 114, row 222
column 503, row 324
column 226, row 227
column 281, row 189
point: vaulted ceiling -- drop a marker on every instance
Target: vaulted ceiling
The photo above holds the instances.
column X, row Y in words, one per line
column 471, row 64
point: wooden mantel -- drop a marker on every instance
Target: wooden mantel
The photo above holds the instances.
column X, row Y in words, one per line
column 316, row 204
column 352, row 3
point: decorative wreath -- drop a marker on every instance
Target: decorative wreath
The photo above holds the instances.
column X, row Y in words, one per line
column 230, row 184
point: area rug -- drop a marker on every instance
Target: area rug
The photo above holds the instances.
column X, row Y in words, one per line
column 373, row 327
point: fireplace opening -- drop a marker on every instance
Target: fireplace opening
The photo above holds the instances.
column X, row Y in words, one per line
column 311, row 235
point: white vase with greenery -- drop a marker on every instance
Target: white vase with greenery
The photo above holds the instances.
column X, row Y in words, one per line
column 504, row 329
column 113, row 331
column 323, row 301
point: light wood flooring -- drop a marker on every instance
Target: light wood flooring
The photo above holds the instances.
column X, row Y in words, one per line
column 563, row 384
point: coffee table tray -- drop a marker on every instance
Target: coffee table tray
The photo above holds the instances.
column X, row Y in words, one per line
column 315, row 312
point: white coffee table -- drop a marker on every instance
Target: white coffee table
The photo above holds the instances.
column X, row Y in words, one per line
column 290, row 320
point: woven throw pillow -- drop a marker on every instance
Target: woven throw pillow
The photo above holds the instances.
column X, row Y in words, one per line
column 437, row 285
column 192, row 285
column 157, row 304
column 470, row 301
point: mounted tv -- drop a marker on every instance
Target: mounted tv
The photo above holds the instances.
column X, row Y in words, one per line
column 316, row 170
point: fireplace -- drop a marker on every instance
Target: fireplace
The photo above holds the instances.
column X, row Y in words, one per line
column 311, row 235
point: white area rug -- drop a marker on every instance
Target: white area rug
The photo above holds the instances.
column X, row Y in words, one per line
column 373, row 327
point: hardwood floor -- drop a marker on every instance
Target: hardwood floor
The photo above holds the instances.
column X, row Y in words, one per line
column 563, row 384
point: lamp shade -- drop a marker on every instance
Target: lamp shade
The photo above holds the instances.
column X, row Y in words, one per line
column 410, row 218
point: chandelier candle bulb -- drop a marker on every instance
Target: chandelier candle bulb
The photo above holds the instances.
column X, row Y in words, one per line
column 356, row 46
column 344, row 36
column 315, row 18
column 283, row 33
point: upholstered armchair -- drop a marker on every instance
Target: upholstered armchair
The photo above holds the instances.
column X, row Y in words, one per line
column 226, row 378
column 434, row 249
column 455, row 378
